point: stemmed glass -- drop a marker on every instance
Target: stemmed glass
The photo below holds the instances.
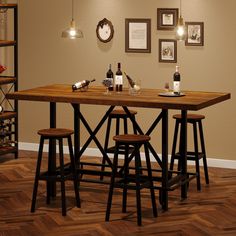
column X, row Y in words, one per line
column 107, row 83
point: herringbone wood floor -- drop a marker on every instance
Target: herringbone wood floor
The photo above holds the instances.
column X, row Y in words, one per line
column 209, row 212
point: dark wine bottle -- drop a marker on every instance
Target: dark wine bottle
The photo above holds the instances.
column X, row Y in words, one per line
column 176, row 81
column 131, row 82
column 81, row 84
column 119, row 79
column 110, row 77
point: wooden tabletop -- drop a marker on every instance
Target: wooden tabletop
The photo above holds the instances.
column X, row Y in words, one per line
column 193, row 100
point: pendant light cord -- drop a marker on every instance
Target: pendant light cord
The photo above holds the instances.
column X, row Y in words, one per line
column 72, row 9
column 180, row 8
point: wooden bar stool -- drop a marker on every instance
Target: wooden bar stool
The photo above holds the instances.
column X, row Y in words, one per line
column 117, row 115
column 127, row 180
column 196, row 155
column 59, row 175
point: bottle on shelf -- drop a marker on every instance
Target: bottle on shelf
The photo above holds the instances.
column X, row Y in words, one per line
column 82, row 84
column 119, row 78
column 110, row 78
column 2, row 68
column 176, row 81
column 1, row 109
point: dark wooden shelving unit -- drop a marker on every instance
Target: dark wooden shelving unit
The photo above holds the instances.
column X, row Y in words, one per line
column 9, row 117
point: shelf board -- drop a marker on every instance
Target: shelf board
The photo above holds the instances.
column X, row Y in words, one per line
column 7, row 80
column 7, row 115
column 4, row 43
column 9, row 5
column 5, row 150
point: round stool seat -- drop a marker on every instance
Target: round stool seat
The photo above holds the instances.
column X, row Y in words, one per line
column 122, row 113
column 131, row 138
column 55, row 132
column 190, row 117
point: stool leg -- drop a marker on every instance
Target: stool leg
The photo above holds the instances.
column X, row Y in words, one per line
column 137, row 177
column 37, row 173
column 152, row 192
column 49, row 183
column 196, row 156
column 63, row 194
column 174, row 146
column 125, row 126
column 134, row 128
column 106, row 145
column 117, row 126
column 126, row 170
column 204, row 152
column 113, row 175
column 74, row 171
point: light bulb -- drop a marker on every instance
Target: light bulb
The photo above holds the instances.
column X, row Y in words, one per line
column 72, row 32
column 180, row 30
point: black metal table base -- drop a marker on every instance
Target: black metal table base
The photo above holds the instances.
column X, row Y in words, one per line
column 166, row 184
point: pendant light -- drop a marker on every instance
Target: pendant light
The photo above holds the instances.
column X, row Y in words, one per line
column 180, row 28
column 72, row 32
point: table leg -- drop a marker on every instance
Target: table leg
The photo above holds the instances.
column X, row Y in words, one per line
column 76, row 131
column 183, row 152
column 164, row 191
column 51, row 185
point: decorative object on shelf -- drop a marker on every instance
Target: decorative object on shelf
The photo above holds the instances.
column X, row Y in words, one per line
column 72, row 32
column 167, row 50
column 3, row 15
column 3, row 10
column 167, row 18
column 195, row 34
column 2, row 68
column 138, row 35
column 180, row 28
column 105, row 30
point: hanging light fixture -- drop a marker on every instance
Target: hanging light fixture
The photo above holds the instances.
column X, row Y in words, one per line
column 72, row 32
column 180, row 28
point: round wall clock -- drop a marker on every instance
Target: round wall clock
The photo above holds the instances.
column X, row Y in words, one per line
column 105, row 30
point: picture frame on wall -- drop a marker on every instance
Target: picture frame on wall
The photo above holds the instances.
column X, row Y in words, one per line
column 168, row 50
column 167, row 18
column 137, row 35
column 195, row 34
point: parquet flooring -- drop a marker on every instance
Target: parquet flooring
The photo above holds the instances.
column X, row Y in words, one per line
column 209, row 212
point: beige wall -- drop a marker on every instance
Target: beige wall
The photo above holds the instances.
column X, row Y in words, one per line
column 46, row 58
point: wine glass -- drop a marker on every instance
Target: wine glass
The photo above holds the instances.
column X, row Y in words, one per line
column 107, row 83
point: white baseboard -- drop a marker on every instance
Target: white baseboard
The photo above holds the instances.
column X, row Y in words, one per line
column 212, row 162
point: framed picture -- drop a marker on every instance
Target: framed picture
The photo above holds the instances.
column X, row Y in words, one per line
column 167, row 18
column 195, row 34
column 138, row 35
column 167, row 50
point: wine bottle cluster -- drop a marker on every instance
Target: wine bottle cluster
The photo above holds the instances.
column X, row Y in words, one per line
column 116, row 83
column 6, row 132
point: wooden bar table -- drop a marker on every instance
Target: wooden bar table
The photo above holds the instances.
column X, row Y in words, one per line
column 149, row 98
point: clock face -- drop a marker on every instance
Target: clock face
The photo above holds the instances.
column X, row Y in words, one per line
column 105, row 30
